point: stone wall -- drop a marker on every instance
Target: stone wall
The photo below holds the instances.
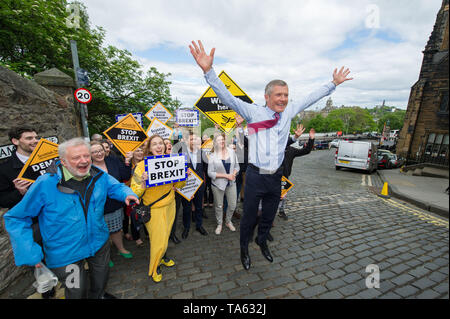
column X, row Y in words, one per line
column 46, row 104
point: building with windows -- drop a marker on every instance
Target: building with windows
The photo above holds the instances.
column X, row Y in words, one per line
column 424, row 137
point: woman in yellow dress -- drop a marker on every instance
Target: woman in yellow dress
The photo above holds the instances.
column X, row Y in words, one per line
column 162, row 212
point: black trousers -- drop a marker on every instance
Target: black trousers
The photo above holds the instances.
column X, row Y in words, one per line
column 78, row 280
column 259, row 186
column 187, row 209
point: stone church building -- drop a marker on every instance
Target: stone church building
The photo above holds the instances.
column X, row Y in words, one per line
column 425, row 134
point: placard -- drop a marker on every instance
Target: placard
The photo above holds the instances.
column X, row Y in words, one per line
column 160, row 112
column 43, row 155
column 207, row 147
column 286, row 186
column 127, row 135
column 158, row 127
column 138, row 116
column 165, row 169
column 210, row 105
column 193, row 183
column 188, row 117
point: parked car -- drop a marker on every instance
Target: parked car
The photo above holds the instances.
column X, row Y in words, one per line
column 356, row 154
column 321, row 145
column 395, row 160
column 384, row 160
column 334, row 143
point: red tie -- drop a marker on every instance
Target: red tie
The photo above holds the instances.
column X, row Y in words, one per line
column 255, row 127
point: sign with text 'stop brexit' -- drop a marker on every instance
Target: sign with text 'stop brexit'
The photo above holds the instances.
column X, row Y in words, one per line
column 211, row 106
column 165, row 169
column 44, row 154
column 160, row 112
column 187, row 117
column 127, row 135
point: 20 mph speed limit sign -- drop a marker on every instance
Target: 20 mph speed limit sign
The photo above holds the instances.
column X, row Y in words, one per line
column 83, row 96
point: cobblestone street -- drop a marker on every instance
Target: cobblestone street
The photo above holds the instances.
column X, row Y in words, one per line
column 336, row 228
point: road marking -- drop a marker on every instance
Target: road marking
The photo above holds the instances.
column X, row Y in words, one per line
column 369, row 178
column 366, row 180
column 420, row 214
column 363, row 180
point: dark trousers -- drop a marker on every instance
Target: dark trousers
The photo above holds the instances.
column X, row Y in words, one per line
column 187, row 209
column 209, row 198
column 265, row 187
column 98, row 275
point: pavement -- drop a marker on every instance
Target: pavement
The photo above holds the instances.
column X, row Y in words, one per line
column 425, row 192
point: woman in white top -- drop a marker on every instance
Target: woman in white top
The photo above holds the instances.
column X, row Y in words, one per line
column 223, row 167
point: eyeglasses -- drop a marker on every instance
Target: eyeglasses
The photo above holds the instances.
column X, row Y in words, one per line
column 97, row 152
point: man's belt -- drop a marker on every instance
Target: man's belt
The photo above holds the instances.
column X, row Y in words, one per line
column 265, row 171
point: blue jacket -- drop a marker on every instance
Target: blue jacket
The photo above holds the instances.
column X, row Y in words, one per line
column 72, row 228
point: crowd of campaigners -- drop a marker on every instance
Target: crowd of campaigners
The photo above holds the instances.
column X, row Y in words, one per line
column 71, row 223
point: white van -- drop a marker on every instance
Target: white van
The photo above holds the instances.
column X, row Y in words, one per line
column 356, row 154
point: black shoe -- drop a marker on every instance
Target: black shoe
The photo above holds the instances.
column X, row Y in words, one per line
column 202, row 231
column 269, row 237
column 282, row 214
column 204, row 216
column 49, row 294
column 185, row 233
column 108, row 296
column 175, row 239
column 245, row 259
column 264, row 250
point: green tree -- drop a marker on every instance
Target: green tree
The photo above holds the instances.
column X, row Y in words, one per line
column 34, row 37
column 395, row 120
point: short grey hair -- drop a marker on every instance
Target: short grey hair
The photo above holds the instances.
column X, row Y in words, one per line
column 62, row 148
column 273, row 83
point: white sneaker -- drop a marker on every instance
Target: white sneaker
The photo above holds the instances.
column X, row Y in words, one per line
column 231, row 227
column 218, row 229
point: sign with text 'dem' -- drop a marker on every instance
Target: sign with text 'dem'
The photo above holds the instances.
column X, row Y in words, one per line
column 165, row 169
column 187, row 117
column 127, row 135
column 286, row 186
column 211, row 106
column 44, row 154
column 193, row 183
column 160, row 112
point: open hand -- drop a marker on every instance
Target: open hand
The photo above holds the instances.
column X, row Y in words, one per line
column 203, row 60
column 312, row 133
column 299, row 131
column 341, row 76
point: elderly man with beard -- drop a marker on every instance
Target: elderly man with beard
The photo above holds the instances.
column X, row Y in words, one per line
column 68, row 201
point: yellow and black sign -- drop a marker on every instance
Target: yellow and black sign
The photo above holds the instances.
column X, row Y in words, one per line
column 210, row 105
column 286, row 186
column 127, row 135
column 40, row 159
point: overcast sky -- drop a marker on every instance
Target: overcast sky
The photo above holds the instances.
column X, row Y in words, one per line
column 299, row 41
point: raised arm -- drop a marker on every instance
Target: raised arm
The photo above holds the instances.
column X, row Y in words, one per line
column 324, row 90
column 205, row 62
